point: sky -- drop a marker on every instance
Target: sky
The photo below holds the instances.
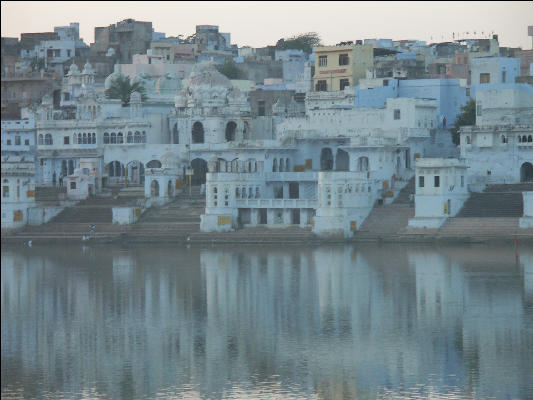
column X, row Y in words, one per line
column 258, row 24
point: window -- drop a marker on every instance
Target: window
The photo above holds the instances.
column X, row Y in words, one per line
column 437, row 181
column 40, row 139
column 17, row 140
column 321, row 86
column 344, row 59
column 479, row 110
column 343, row 83
column 27, row 142
column 113, row 138
column 5, row 190
column 421, row 181
column 130, row 137
column 468, row 92
column 48, row 139
column 484, row 77
column 322, row 61
column 66, row 140
column 9, row 142
column 385, row 82
column 462, row 181
column 396, row 114
column 72, row 185
column 261, row 108
column 106, row 138
column 84, row 138
column 120, row 138
column 68, row 52
column 94, row 138
column 503, row 76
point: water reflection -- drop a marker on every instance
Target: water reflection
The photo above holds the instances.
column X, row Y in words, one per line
column 326, row 322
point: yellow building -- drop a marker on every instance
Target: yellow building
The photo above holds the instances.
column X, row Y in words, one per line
column 339, row 66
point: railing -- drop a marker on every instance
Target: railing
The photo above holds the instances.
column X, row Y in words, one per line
column 276, row 203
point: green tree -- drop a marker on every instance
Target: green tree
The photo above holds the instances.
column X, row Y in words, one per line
column 122, row 88
column 465, row 118
column 303, row 41
column 230, row 70
column 37, row 64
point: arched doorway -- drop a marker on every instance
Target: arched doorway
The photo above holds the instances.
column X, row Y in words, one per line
column 200, row 169
column 326, row 159
column 197, row 132
column 153, row 164
column 526, row 172
column 135, row 172
column 231, row 127
column 342, row 161
column 154, row 189
column 170, row 189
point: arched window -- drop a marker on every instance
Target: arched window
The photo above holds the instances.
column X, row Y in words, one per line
column 468, row 140
column 40, row 139
column 362, row 164
column 275, row 165
column 504, row 139
column 84, row 138
column 94, row 138
column 197, row 132
column 250, row 192
column 256, row 192
column 281, row 165
column 113, row 138
column 120, row 138
column 243, row 193
column 230, row 131
column 48, row 139
column 529, row 138
column 343, row 161
column 246, row 131
column 130, row 137
column 74, row 138
column 153, row 164
column 287, row 165
column 106, row 138
column 519, row 139
column 175, row 134
column 144, row 137
column 237, row 192
column 326, row 159
column 524, row 139
column 137, row 138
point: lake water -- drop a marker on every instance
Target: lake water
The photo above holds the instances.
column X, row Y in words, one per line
column 239, row 322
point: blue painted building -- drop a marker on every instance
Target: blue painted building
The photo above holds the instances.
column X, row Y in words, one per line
column 449, row 93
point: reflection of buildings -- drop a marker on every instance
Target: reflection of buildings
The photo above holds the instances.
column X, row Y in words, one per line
column 333, row 322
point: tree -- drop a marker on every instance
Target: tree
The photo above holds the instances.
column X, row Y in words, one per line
column 37, row 64
column 465, row 118
column 303, row 41
column 122, row 88
column 230, row 70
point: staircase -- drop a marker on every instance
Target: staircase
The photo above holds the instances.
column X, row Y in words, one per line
column 481, row 228
column 49, row 195
column 404, row 197
column 493, row 203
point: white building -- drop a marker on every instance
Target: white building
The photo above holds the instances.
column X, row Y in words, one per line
column 499, row 147
column 18, row 190
column 441, row 190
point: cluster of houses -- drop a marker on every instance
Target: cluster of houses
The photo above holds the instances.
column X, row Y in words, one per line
column 344, row 129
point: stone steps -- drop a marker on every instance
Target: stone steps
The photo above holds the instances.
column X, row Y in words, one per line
column 85, row 214
column 480, row 227
column 387, row 219
column 405, row 194
column 493, row 204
